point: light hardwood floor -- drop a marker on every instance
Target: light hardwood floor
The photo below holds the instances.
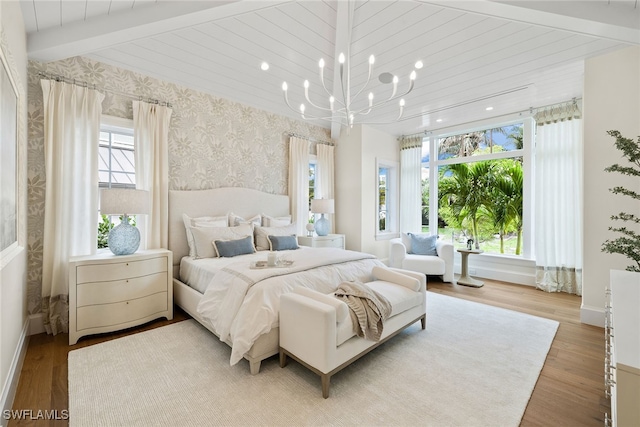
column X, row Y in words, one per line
column 569, row 392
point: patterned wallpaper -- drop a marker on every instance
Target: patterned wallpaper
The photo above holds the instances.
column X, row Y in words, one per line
column 213, row 142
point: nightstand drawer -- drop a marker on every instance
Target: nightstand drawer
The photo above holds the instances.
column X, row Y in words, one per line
column 97, row 316
column 121, row 270
column 121, row 290
column 329, row 241
column 333, row 242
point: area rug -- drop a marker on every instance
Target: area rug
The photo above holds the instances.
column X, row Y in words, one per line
column 474, row 365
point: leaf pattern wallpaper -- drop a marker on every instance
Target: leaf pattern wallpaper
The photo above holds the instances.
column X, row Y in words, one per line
column 213, row 142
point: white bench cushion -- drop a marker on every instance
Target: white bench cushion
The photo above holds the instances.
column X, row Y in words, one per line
column 400, row 297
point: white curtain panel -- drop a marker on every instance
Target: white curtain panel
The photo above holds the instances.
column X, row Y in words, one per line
column 411, row 184
column 151, row 136
column 299, row 182
column 558, row 206
column 71, row 138
column 325, row 177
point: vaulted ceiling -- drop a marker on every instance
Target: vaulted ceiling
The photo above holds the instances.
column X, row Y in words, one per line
column 508, row 55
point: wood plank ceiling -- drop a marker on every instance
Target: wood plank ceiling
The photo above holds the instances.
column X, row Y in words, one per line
column 507, row 55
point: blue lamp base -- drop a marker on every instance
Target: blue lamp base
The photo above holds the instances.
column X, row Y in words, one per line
column 124, row 239
column 322, row 226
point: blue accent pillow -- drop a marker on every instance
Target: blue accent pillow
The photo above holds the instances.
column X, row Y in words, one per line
column 282, row 243
column 231, row 248
column 422, row 244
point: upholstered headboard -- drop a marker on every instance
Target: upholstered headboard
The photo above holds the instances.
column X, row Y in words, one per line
column 245, row 202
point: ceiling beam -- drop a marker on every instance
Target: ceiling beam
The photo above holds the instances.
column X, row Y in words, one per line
column 344, row 25
column 521, row 13
column 110, row 30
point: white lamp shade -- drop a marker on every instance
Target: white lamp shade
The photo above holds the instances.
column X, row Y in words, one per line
column 118, row 201
column 322, row 206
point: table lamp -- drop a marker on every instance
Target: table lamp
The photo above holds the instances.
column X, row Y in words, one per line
column 124, row 238
column 322, row 206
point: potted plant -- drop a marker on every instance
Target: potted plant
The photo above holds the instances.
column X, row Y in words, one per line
column 628, row 243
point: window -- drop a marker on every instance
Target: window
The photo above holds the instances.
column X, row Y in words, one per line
column 476, row 186
column 312, row 185
column 116, row 166
column 383, row 181
column 386, row 201
column 116, row 163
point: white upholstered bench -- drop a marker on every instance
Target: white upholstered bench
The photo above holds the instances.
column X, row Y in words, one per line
column 316, row 329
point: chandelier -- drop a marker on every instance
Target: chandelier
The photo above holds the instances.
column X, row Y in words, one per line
column 340, row 107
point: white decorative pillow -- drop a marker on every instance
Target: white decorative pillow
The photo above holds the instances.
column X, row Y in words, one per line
column 203, row 238
column 203, row 221
column 235, row 220
column 280, row 221
column 262, row 235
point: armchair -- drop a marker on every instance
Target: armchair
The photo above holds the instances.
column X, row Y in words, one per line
column 401, row 256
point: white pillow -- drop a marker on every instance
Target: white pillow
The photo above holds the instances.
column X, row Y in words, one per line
column 235, row 220
column 203, row 221
column 262, row 235
column 203, row 238
column 280, row 221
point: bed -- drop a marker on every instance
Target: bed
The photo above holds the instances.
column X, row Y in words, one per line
column 237, row 303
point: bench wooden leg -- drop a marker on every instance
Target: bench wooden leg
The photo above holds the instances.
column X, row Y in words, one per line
column 283, row 359
column 423, row 321
column 326, row 379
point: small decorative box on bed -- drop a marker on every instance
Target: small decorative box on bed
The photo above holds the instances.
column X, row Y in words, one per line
column 236, row 302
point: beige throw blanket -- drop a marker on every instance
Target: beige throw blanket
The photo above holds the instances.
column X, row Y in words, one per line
column 368, row 309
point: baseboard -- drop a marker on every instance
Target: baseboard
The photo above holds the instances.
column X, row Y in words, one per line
column 36, row 324
column 592, row 316
column 11, row 384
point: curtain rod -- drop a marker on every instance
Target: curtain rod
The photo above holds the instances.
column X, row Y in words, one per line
column 311, row 139
column 60, row 78
column 531, row 111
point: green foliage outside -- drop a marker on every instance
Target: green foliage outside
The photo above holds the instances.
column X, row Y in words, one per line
column 105, row 226
column 484, row 199
column 480, row 200
column 628, row 244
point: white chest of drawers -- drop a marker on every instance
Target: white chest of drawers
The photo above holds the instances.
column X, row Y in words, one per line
column 108, row 292
column 328, row 241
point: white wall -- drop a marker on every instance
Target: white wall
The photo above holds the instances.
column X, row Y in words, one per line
column 13, row 288
column 356, row 186
column 348, row 187
column 611, row 102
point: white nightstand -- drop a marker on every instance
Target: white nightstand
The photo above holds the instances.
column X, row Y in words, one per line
column 108, row 292
column 329, row 241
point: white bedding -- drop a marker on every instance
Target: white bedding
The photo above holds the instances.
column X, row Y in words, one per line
column 242, row 303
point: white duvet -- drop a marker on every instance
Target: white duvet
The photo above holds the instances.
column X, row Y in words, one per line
column 241, row 303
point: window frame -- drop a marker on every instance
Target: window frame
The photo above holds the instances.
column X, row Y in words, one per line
column 121, row 126
column 391, row 199
column 313, row 160
column 528, row 173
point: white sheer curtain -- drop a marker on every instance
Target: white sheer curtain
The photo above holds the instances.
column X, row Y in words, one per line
column 151, row 136
column 411, row 184
column 558, row 202
column 71, row 138
column 324, row 177
column 299, row 182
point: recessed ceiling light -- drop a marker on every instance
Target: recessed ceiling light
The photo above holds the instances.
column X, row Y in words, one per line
column 419, row 65
column 439, row 120
column 264, row 66
column 489, row 108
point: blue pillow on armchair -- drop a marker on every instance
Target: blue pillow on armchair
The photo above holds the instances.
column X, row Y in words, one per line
column 423, row 244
